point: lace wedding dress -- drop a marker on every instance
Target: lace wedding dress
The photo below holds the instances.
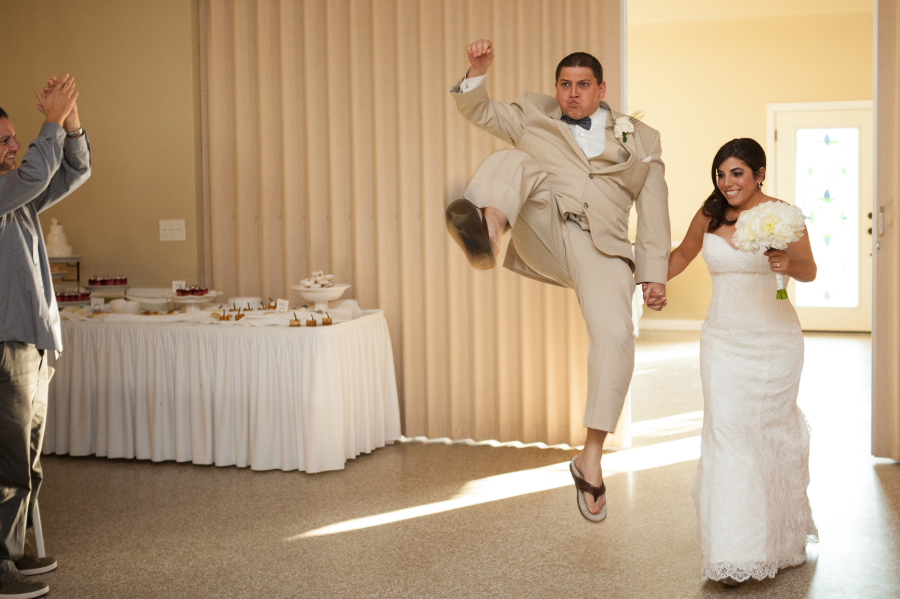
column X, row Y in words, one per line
column 750, row 487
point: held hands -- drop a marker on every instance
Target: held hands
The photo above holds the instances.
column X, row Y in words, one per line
column 481, row 55
column 779, row 261
column 655, row 295
column 57, row 102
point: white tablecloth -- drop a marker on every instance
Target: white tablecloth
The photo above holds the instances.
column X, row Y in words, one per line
column 265, row 397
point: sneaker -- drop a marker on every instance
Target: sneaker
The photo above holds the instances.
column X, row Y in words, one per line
column 14, row 586
column 29, row 565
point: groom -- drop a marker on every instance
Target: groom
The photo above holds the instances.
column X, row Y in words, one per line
column 565, row 192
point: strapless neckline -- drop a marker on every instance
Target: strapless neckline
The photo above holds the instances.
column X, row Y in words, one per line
column 728, row 243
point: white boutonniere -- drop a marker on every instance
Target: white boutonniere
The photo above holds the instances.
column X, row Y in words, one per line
column 625, row 125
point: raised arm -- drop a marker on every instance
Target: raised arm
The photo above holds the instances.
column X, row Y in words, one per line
column 504, row 121
column 685, row 253
column 54, row 165
column 22, row 185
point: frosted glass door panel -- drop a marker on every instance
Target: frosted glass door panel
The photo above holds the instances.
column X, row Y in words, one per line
column 823, row 163
column 827, row 190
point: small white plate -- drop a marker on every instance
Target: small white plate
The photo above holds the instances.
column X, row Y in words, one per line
column 110, row 288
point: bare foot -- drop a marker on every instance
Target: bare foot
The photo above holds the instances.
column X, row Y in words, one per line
column 496, row 224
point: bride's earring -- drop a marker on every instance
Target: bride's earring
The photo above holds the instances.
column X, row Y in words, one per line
column 760, row 184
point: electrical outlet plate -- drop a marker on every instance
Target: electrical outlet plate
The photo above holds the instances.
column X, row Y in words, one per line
column 171, row 230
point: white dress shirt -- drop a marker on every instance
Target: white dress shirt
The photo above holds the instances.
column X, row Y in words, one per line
column 592, row 141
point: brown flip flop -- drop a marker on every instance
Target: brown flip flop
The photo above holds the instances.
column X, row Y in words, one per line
column 581, row 487
column 469, row 230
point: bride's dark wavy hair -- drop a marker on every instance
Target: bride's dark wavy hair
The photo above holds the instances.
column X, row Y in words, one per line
column 752, row 154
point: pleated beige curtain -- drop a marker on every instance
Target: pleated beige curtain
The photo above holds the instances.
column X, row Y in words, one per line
column 886, row 313
column 331, row 143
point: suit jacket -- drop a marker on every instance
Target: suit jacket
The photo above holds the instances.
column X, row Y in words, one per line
column 603, row 188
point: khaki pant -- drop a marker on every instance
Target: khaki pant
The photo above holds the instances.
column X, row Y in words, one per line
column 24, row 379
column 560, row 250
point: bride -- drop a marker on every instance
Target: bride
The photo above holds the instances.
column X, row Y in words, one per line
column 750, row 487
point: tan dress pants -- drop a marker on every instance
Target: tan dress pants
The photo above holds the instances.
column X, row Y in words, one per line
column 558, row 249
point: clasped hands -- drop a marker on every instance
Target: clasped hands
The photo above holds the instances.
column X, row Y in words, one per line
column 57, row 103
column 655, row 295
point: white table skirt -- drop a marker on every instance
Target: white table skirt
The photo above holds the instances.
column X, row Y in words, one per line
column 265, row 397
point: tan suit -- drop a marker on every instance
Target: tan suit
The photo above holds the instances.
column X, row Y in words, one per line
column 569, row 219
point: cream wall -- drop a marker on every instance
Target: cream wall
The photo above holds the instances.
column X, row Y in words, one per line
column 136, row 66
column 702, row 82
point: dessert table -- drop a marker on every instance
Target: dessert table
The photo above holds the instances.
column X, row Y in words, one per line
column 267, row 397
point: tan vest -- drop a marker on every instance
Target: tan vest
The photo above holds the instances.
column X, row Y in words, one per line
column 613, row 153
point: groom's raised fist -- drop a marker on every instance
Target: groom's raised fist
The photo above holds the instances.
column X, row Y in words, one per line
column 481, row 55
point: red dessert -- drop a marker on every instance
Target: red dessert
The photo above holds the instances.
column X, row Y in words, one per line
column 72, row 295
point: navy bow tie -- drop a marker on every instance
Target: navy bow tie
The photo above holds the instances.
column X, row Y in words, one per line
column 585, row 122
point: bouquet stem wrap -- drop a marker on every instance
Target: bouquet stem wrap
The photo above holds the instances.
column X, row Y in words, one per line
column 782, row 292
column 769, row 226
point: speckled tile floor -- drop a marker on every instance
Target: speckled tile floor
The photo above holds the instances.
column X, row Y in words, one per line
column 454, row 520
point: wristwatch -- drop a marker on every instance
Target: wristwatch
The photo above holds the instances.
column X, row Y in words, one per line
column 76, row 133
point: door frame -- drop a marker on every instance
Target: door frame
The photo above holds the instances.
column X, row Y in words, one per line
column 773, row 110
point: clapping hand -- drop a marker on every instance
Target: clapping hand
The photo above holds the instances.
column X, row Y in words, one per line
column 57, row 102
column 481, row 55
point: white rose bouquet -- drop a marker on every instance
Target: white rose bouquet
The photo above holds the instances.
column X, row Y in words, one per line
column 769, row 225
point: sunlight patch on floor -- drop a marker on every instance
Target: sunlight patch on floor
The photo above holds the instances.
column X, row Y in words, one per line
column 513, row 484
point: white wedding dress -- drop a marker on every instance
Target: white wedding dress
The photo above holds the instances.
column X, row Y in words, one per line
column 753, row 513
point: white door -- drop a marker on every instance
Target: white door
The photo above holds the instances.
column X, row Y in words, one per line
column 823, row 164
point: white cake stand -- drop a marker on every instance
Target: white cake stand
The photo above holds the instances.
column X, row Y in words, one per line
column 191, row 302
column 322, row 296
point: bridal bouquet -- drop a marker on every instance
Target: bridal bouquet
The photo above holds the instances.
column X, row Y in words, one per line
column 769, row 226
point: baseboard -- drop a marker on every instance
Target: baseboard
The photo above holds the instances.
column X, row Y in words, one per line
column 670, row 325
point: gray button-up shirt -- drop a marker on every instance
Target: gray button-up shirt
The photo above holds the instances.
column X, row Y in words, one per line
column 53, row 167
